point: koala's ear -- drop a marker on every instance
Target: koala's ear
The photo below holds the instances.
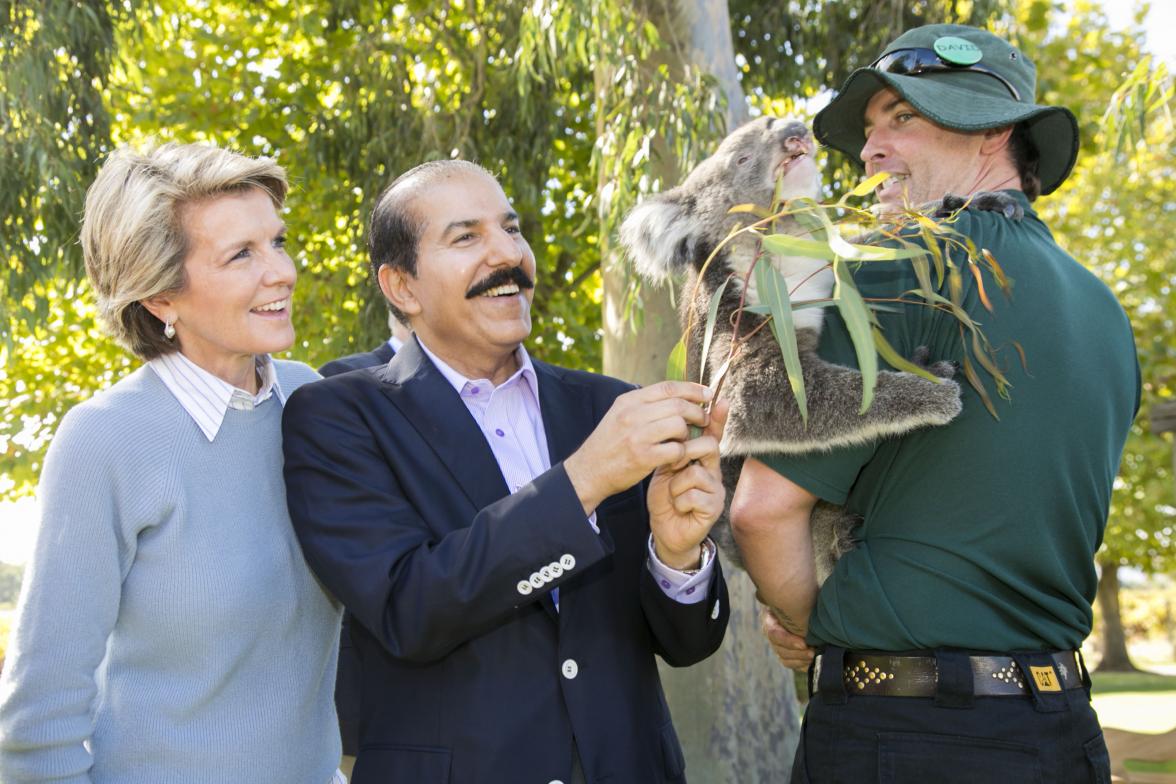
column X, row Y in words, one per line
column 656, row 235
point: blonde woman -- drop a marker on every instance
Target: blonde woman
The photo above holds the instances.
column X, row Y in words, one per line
column 169, row 629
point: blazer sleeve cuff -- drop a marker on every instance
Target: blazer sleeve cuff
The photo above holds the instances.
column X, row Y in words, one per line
column 686, row 633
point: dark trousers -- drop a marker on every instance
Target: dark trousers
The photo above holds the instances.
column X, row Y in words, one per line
column 953, row 737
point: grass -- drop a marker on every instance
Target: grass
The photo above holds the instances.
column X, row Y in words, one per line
column 1143, row 766
column 1142, row 702
column 1114, row 682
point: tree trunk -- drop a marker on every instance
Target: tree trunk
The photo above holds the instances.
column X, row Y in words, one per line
column 1115, row 657
column 640, row 355
column 637, row 355
column 736, row 713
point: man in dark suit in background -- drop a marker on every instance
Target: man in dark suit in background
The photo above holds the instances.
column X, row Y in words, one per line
column 348, row 684
column 380, row 355
column 490, row 522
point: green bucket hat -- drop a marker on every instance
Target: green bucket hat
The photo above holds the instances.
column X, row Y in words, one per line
column 962, row 78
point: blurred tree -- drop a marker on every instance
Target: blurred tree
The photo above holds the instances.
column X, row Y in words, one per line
column 345, row 95
column 54, row 62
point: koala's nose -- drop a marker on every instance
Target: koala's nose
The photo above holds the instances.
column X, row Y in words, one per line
column 794, row 128
column 799, row 143
column 795, row 137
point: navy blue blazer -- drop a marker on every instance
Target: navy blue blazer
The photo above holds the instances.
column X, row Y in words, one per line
column 470, row 674
column 364, row 359
column 348, row 678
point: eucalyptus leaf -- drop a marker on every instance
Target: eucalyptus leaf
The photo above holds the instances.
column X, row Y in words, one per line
column 809, row 225
column 932, row 246
column 985, row 360
column 1002, row 280
column 716, row 383
column 981, row 292
column 922, row 270
column 857, row 321
column 875, row 253
column 764, row 310
column 788, row 245
column 929, row 224
column 753, row 209
column 978, row 385
column 896, row 360
column 676, row 364
column 868, row 185
column 960, row 314
column 838, row 243
column 773, row 290
column 712, row 313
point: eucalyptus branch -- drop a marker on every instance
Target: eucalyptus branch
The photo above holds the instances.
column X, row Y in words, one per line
column 895, row 238
column 743, row 299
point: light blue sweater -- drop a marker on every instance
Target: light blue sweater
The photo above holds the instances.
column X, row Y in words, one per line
column 169, row 630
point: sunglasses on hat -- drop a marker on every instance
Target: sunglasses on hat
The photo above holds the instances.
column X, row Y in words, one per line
column 911, row 62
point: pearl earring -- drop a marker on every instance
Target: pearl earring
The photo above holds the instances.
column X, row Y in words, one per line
column 169, row 331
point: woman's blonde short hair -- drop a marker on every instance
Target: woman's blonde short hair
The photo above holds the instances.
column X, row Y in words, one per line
column 133, row 236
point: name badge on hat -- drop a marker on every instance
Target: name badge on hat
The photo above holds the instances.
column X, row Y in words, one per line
column 956, row 50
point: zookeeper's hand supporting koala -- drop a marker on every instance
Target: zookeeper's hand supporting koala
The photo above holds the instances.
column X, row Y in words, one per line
column 686, row 498
column 791, row 649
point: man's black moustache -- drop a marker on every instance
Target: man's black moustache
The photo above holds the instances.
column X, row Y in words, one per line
column 501, row 277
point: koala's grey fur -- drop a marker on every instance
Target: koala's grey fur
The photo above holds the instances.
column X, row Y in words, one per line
column 670, row 236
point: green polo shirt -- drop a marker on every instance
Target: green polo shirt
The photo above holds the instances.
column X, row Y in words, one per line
column 980, row 534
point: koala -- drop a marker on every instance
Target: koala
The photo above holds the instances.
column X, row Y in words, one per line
column 671, row 235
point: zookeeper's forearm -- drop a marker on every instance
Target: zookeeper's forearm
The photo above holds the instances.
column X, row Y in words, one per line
column 770, row 520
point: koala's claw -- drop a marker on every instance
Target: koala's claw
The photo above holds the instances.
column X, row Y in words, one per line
column 845, row 534
column 950, row 204
column 922, row 358
column 995, row 201
column 985, row 201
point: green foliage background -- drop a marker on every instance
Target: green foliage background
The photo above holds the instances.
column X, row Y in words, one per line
column 580, row 107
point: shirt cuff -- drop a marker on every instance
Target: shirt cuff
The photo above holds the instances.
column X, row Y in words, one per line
column 682, row 587
column 592, row 522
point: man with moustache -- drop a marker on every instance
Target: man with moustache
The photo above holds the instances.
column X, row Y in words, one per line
column 488, row 521
column 947, row 638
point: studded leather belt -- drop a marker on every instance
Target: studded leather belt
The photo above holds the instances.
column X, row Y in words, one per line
column 886, row 675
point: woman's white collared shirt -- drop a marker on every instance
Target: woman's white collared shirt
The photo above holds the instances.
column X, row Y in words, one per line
column 205, row 397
